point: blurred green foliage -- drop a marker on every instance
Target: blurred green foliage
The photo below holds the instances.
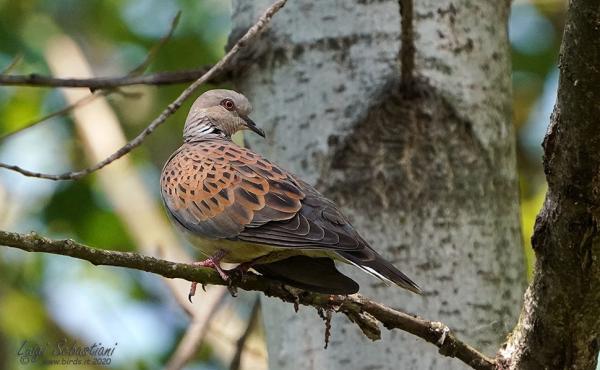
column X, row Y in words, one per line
column 96, row 223
column 115, row 36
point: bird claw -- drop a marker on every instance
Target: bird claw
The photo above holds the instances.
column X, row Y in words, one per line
column 212, row 262
column 192, row 291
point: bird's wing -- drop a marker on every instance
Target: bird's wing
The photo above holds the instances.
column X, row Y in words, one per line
column 320, row 224
column 216, row 189
column 317, row 224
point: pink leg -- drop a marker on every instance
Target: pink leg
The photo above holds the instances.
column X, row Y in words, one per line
column 212, row 262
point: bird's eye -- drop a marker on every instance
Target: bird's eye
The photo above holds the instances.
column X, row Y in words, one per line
column 228, row 104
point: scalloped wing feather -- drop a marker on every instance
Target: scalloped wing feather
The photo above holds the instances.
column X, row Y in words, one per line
column 216, row 189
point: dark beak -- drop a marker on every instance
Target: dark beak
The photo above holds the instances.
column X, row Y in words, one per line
column 252, row 126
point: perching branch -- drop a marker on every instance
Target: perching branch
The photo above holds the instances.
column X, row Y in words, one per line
column 360, row 310
column 250, row 35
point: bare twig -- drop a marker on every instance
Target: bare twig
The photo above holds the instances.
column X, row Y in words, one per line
column 155, row 49
column 61, row 112
column 236, row 361
column 195, row 333
column 132, row 78
column 356, row 307
column 88, row 99
column 13, row 63
column 256, row 29
column 156, row 79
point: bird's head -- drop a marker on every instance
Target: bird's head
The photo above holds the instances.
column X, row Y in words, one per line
column 219, row 113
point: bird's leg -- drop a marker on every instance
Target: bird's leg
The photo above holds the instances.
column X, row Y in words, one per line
column 211, row 262
column 215, row 263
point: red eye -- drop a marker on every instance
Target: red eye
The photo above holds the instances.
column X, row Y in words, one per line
column 228, row 104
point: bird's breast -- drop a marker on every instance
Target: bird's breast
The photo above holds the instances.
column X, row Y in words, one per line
column 240, row 251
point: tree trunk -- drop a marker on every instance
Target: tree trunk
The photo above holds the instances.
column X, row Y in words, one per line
column 559, row 327
column 416, row 146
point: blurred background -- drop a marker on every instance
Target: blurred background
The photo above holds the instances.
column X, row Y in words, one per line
column 47, row 298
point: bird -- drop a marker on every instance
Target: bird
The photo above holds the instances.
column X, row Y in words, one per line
column 238, row 207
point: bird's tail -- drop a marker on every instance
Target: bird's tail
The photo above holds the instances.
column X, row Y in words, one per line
column 315, row 274
column 372, row 263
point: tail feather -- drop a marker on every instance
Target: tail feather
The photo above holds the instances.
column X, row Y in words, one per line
column 315, row 274
column 377, row 266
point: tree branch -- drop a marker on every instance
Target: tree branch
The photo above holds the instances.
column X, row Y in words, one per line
column 250, row 35
column 132, row 78
column 236, row 361
column 195, row 333
column 13, row 63
column 156, row 48
column 360, row 310
column 407, row 39
column 139, row 69
column 61, row 112
column 156, row 79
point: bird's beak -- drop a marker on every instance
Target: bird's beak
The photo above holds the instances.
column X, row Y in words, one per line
column 252, row 126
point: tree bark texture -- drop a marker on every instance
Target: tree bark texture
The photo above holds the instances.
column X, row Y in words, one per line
column 559, row 327
column 404, row 121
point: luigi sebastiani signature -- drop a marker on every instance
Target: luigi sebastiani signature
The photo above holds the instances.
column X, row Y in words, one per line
column 65, row 352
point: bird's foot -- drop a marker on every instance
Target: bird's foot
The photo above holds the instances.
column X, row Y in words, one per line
column 235, row 275
column 212, row 262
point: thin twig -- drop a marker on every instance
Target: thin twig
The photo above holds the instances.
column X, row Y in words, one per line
column 13, row 63
column 195, row 333
column 132, row 78
column 61, row 112
column 155, row 49
column 236, row 361
column 156, row 79
column 256, row 29
column 140, row 68
column 361, row 310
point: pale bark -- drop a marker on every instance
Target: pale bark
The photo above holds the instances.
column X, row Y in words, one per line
column 425, row 169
